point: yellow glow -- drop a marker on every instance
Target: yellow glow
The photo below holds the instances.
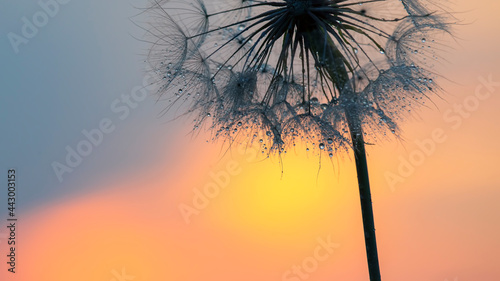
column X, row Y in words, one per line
column 305, row 196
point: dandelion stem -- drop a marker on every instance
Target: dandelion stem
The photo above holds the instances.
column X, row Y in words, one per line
column 331, row 60
column 365, row 197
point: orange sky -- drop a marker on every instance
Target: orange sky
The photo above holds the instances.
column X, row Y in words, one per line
column 438, row 223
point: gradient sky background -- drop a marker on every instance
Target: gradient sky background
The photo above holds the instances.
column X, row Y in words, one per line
column 118, row 211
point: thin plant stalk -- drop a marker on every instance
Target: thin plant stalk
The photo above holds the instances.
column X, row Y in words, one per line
column 333, row 62
column 366, row 199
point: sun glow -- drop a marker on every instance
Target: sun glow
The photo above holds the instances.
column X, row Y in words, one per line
column 302, row 196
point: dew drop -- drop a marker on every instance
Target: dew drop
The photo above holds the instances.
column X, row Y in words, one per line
column 321, row 146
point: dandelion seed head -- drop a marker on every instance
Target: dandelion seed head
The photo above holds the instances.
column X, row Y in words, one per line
column 287, row 71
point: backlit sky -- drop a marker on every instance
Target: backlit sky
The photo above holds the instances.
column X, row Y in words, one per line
column 118, row 213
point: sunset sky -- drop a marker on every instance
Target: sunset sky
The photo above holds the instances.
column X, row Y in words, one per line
column 132, row 209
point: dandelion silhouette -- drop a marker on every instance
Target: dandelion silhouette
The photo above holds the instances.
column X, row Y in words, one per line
column 336, row 73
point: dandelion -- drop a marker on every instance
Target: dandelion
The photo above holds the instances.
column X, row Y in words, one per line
column 337, row 73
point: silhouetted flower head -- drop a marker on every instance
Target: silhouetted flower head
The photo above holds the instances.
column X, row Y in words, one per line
column 281, row 72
